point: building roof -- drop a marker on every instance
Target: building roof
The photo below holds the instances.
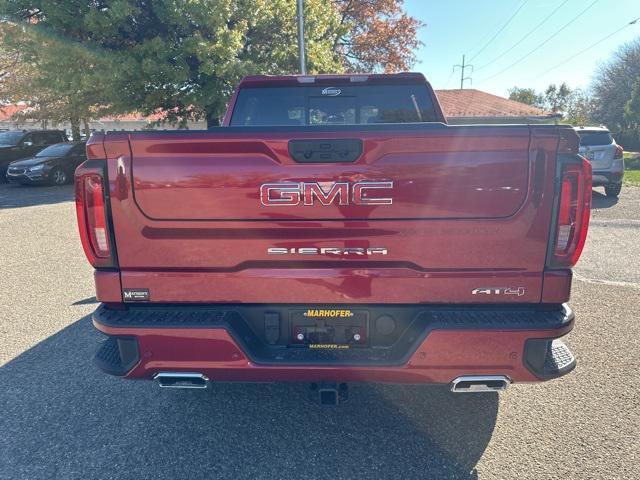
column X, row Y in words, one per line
column 8, row 111
column 475, row 103
column 134, row 117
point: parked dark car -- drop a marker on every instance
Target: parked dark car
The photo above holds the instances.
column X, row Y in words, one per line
column 53, row 165
column 18, row 144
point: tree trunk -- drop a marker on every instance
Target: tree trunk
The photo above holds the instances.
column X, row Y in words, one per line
column 212, row 120
column 75, row 128
column 87, row 130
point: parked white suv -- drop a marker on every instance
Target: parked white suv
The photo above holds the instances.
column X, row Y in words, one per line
column 606, row 157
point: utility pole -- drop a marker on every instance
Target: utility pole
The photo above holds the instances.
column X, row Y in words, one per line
column 303, row 61
column 462, row 68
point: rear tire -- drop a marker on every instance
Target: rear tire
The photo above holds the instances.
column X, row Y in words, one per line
column 58, row 177
column 612, row 190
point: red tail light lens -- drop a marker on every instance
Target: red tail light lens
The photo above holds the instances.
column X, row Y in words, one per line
column 573, row 213
column 619, row 152
column 96, row 215
column 92, row 216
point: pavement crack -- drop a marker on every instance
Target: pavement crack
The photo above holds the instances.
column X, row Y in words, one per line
column 599, row 281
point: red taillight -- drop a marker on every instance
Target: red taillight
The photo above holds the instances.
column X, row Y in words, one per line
column 619, row 153
column 96, row 215
column 91, row 211
column 573, row 213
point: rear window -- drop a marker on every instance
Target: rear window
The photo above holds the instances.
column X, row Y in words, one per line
column 592, row 139
column 55, row 150
column 37, row 138
column 10, row 138
column 54, row 137
column 341, row 105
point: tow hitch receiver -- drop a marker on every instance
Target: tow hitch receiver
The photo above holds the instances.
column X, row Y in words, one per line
column 329, row 393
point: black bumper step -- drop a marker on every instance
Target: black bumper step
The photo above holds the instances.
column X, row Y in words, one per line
column 549, row 358
column 162, row 317
column 253, row 328
column 117, row 355
column 211, row 316
column 559, row 358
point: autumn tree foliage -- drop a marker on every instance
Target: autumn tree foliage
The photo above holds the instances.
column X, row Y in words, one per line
column 381, row 37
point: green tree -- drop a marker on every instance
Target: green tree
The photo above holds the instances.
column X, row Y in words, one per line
column 181, row 57
column 60, row 80
column 555, row 99
column 576, row 105
column 10, row 62
column 579, row 109
column 613, row 85
column 632, row 107
column 185, row 57
column 525, row 95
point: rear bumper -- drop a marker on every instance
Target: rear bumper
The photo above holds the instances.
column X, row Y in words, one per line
column 607, row 177
column 515, row 342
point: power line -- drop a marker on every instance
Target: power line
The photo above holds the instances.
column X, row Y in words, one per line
column 543, row 43
column 633, row 22
column 525, row 36
column 449, row 78
column 484, row 37
column 499, row 30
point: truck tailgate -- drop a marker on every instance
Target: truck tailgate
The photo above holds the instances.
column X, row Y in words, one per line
column 436, row 173
column 470, row 208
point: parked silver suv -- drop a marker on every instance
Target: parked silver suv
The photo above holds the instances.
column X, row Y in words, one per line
column 606, row 157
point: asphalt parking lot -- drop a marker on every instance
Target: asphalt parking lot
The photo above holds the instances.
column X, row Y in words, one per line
column 61, row 418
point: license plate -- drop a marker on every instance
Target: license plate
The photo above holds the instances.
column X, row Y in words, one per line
column 591, row 156
column 329, row 328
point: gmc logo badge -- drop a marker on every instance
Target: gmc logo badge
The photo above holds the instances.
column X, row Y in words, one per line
column 331, row 91
column 325, row 193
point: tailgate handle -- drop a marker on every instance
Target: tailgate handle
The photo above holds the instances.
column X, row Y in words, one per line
column 342, row 150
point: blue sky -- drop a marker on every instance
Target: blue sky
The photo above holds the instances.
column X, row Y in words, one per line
column 457, row 27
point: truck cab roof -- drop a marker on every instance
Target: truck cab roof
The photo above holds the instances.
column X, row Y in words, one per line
column 591, row 129
column 370, row 78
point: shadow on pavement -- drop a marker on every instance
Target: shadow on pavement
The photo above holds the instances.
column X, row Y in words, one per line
column 86, row 301
column 16, row 196
column 62, row 418
column 599, row 200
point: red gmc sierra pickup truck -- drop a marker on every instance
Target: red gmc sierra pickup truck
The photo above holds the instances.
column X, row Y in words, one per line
column 335, row 229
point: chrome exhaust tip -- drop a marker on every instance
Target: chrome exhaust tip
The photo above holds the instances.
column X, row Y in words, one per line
column 480, row 383
column 181, row 380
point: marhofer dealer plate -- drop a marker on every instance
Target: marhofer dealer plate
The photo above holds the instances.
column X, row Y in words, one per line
column 329, row 328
